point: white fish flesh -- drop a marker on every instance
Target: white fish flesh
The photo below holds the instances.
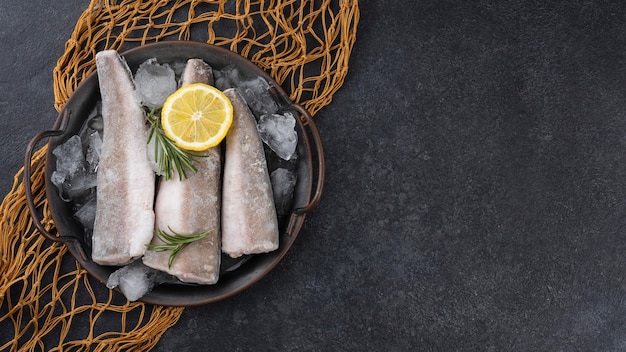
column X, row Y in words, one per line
column 126, row 182
column 197, row 71
column 249, row 222
column 189, row 206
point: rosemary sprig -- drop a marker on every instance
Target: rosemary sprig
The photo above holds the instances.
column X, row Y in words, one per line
column 175, row 242
column 168, row 155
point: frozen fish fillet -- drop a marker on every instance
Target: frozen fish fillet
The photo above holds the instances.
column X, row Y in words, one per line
column 197, row 71
column 124, row 216
column 249, row 222
column 191, row 205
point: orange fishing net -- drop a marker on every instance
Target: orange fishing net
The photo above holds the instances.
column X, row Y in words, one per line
column 304, row 45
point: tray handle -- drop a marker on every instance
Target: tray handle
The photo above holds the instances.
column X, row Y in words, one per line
column 30, row 201
column 321, row 165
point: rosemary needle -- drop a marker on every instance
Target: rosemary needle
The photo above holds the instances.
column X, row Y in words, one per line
column 168, row 155
column 175, row 242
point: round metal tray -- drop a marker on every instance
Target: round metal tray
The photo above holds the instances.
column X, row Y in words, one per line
column 310, row 175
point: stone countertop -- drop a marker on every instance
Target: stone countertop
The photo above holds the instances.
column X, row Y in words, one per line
column 475, row 188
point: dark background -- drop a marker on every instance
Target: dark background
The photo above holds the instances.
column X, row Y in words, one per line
column 474, row 196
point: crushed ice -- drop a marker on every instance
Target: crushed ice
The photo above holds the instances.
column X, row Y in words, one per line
column 76, row 169
column 255, row 91
column 86, row 213
column 70, row 160
column 277, row 131
column 134, row 279
column 155, row 82
column 94, row 148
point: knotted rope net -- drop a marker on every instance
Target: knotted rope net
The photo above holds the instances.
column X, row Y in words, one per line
column 44, row 294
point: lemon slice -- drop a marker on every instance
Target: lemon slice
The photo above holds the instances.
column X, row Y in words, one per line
column 197, row 117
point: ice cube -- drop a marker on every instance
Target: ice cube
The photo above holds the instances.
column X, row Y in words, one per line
column 70, row 157
column 277, row 131
column 94, row 148
column 78, row 187
column 58, row 178
column 81, row 182
column 134, row 280
column 256, row 93
column 228, row 77
column 260, row 103
column 221, row 82
column 283, row 183
column 178, row 67
column 86, row 213
column 154, row 82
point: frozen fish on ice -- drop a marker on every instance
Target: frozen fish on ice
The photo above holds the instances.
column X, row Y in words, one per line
column 191, row 206
column 249, row 222
column 124, row 220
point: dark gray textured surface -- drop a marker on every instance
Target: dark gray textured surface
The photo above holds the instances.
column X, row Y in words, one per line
column 474, row 197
